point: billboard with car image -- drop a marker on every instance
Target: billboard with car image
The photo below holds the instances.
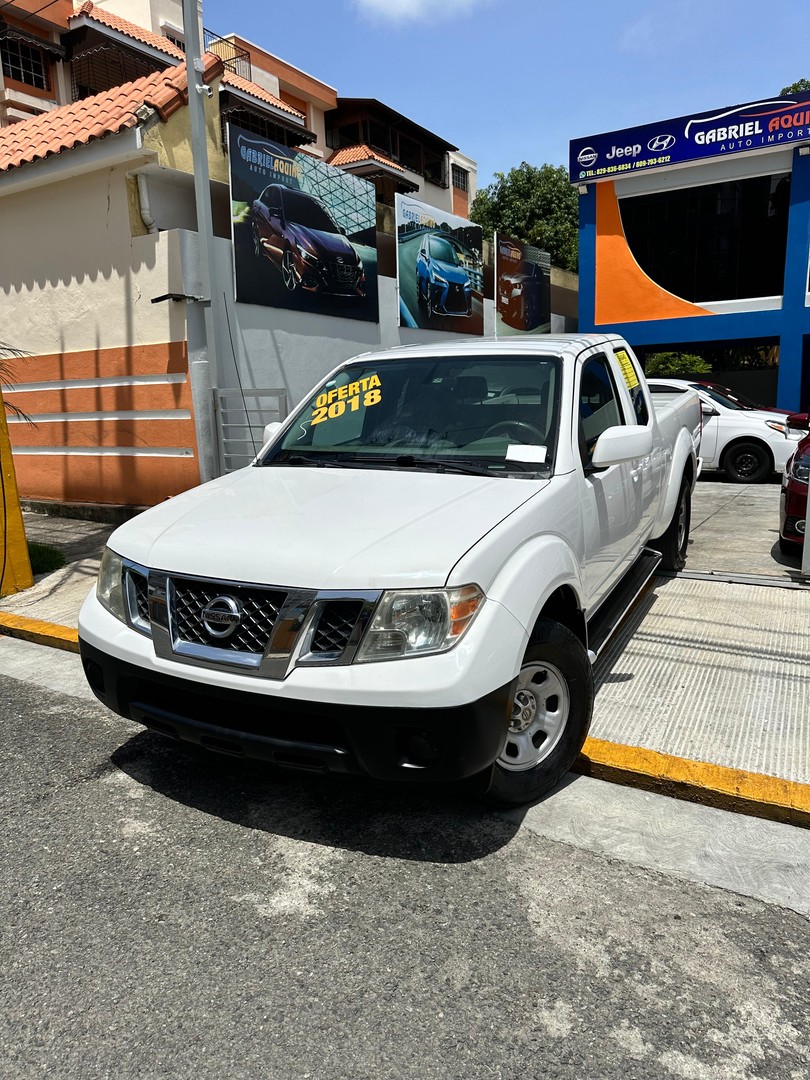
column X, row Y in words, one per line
column 439, row 269
column 522, row 288
column 304, row 233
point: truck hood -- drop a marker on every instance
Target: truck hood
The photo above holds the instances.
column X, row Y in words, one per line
column 323, row 528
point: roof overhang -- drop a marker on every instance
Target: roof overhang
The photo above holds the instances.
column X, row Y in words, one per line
column 122, row 148
column 403, row 123
column 16, row 34
column 371, row 169
column 85, row 22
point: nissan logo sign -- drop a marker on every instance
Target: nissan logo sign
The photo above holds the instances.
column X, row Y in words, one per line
column 221, row 617
column 661, row 143
column 587, row 157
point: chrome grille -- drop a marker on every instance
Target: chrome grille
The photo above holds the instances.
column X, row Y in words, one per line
column 259, row 610
column 333, row 630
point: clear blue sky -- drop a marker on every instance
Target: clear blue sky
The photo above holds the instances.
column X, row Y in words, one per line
column 514, row 80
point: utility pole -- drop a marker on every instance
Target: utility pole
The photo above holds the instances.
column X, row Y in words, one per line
column 205, row 332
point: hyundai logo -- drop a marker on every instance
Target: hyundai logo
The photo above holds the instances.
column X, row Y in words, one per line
column 587, row 157
column 661, row 143
column 221, row 616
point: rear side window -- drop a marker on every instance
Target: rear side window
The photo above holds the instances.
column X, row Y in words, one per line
column 630, row 373
column 598, row 404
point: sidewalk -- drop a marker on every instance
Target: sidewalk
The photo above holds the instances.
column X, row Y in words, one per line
column 704, row 693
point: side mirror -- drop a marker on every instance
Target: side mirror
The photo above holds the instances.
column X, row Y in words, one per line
column 270, row 431
column 624, row 443
column 708, row 410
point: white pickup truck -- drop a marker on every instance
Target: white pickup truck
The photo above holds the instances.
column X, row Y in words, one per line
column 414, row 576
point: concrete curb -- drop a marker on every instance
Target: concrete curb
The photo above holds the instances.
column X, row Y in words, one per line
column 697, row 781
column 634, row 766
column 43, row 633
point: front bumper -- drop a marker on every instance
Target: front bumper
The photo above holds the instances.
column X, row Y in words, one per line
column 387, row 743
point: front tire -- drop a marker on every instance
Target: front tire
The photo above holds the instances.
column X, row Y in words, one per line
column 551, row 714
column 747, row 463
column 675, row 540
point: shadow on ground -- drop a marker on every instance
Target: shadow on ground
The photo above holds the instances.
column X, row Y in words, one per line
column 425, row 823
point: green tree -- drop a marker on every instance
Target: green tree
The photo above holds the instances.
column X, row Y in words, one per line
column 535, row 204
column 672, row 365
column 796, row 88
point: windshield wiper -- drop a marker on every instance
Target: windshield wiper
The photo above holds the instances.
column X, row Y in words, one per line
column 311, row 460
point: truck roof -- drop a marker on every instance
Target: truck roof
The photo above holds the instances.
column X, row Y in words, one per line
column 555, row 344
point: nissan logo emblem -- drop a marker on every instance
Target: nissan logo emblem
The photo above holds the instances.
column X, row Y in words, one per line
column 587, row 157
column 661, row 143
column 221, row 616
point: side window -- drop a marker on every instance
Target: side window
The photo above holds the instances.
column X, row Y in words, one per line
column 630, row 373
column 598, row 404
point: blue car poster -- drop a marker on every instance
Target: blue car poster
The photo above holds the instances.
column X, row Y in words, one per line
column 440, row 269
column 304, row 233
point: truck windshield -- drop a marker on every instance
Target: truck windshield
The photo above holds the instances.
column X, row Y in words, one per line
column 498, row 415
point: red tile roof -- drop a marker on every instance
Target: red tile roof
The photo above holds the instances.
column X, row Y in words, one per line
column 115, row 22
column 94, row 117
column 350, row 155
column 230, row 78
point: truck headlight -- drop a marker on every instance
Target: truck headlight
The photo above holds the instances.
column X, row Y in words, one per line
column 110, row 585
column 412, row 622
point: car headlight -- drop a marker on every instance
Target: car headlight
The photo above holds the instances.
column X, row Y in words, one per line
column 412, row 622
column 110, row 584
column 437, row 279
column 800, row 469
column 774, row 425
column 307, row 256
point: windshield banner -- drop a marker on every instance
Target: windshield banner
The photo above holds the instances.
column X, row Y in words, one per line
column 304, row 233
column 440, row 269
column 523, row 296
column 783, row 121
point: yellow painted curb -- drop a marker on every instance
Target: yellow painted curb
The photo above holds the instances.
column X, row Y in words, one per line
column 43, row 633
column 697, row 781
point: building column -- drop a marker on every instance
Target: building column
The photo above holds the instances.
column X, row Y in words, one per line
column 793, row 388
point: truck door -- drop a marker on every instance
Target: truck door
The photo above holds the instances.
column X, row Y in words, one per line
column 611, row 513
column 648, row 474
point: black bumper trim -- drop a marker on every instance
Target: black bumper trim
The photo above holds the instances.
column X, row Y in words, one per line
column 384, row 743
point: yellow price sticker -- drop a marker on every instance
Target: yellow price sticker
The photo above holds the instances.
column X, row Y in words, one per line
column 628, row 370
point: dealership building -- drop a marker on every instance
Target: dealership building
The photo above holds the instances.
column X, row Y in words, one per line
column 696, row 232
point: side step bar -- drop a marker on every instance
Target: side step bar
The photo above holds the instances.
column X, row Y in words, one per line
column 608, row 617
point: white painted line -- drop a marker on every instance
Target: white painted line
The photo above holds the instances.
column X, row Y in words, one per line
column 123, row 414
column 105, row 451
column 112, row 380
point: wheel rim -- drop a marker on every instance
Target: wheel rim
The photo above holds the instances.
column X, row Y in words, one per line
column 747, row 463
column 287, row 271
column 540, row 711
column 683, row 518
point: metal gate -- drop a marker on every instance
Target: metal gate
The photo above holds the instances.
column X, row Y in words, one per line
column 241, row 417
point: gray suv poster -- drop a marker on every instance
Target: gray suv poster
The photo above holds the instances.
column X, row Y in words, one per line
column 304, row 233
column 522, row 288
column 440, row 269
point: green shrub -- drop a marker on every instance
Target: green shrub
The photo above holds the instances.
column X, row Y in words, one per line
column 673, row 365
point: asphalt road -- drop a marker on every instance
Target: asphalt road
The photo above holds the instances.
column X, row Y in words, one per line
column 171, row 914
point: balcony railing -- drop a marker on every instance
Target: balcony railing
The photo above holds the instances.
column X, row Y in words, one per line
column 235, row 59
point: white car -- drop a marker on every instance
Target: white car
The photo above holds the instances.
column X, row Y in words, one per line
column 747, row 443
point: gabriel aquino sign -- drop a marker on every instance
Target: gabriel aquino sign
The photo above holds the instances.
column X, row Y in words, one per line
column 776, row 122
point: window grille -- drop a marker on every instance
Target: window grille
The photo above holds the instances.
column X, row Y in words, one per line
column 461, row 178
column 25, row 64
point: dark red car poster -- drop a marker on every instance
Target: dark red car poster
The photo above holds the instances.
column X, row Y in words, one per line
column 304, row 233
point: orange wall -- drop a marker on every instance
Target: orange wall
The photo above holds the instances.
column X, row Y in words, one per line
column 137, row 479
column 624, row 293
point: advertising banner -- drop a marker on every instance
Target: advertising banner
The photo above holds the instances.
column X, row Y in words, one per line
column 440, row 269
column 304, row 233
column 732, row 130
column 523, row 290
